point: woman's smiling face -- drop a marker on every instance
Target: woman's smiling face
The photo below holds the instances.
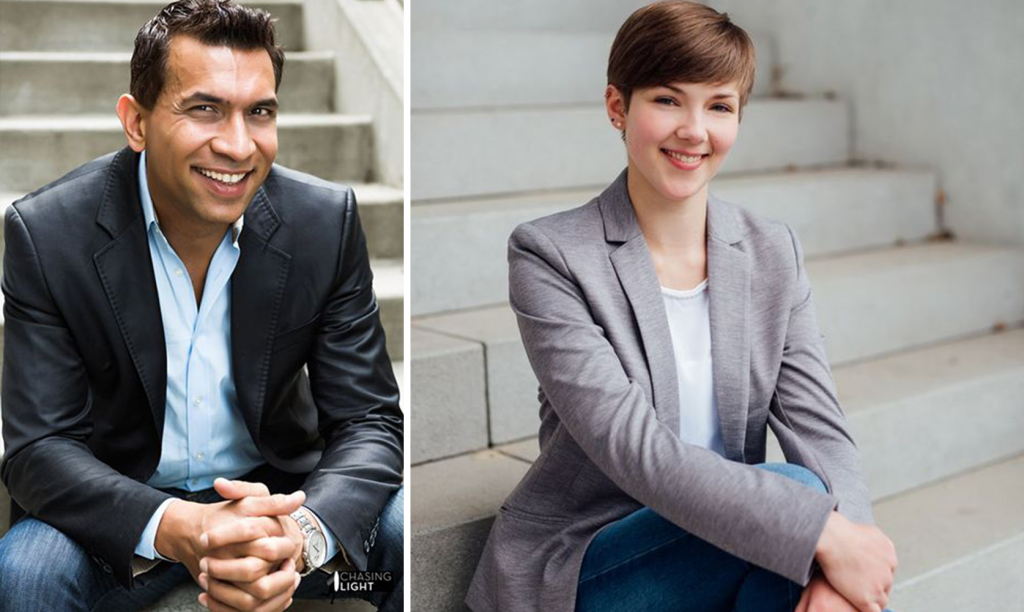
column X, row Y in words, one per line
column 677, row 136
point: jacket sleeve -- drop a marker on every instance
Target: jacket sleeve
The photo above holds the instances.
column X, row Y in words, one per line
column 756, row 515
column 805, row 413
column 357, row 400
column 48, row 467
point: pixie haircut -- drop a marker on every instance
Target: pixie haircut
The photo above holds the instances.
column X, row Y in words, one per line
column 212, row 22
column 670, row 42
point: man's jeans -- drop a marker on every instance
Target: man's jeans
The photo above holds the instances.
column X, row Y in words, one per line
column 43, row 570
column 644, row 562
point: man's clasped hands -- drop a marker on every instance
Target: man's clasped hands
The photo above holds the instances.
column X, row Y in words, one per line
column 244, row 552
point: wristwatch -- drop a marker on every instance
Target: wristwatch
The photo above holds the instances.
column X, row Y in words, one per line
column 314, row 544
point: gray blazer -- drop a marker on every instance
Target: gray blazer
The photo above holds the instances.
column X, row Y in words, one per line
column 590, row 311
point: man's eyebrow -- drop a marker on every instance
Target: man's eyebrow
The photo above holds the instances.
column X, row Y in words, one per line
column 212, row 99
column 718, row 96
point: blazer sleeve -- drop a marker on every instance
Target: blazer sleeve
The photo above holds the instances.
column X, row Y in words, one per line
column 754, row 514
column 805, row 413
column 356, row 396
column 48, row 467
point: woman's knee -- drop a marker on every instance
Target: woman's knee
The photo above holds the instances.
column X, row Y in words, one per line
column 796, row 472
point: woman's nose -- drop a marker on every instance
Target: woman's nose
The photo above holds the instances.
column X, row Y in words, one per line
column 691, row 129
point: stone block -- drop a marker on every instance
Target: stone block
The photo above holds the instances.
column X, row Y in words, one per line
column 511, row 386
column 449, row 409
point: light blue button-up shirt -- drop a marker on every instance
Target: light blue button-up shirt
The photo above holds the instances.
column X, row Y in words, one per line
column 204, row 435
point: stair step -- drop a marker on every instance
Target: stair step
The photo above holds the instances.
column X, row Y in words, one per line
column 960, row 542
column 441, row 59
column 452, row 506
column 380, row 212
column 894, row 299
column 109, row 25
column 54, row 83
column 529, row 149
column 869, row 305
column 935, row 411
column 832, row 210
column 332, row 146
column 947, row 563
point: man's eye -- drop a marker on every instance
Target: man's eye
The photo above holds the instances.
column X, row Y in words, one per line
column 262, row 111
column 664, row 100
column 202, row 107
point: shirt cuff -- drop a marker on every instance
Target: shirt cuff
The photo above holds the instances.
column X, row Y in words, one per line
column 146, row 548
column 333, row 546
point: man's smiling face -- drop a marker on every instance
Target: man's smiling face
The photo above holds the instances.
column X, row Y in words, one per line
column 211, row 136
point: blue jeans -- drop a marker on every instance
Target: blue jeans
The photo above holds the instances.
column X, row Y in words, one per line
column 43, row 570
column 644, row 562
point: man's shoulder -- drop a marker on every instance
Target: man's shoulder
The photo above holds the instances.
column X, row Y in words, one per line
column 302, row 192
column 79, row 192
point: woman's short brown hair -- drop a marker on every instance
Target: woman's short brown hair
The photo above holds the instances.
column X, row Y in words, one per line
column 212, row 22
column 671, row 42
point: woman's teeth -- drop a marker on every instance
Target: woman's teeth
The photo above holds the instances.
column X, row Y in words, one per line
column 686, row 159
column 224, row 178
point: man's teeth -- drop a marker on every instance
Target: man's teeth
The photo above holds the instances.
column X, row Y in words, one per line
column 224, row 178
column 686, row 159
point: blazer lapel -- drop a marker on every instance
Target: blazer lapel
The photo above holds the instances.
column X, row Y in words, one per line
column 126, row 271
column 729, row 290
column 635, row 269
column 257, row 289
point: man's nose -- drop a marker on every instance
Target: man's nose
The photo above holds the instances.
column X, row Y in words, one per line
column 234, row 140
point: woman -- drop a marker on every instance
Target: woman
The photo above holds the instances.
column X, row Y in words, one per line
column 668, row 330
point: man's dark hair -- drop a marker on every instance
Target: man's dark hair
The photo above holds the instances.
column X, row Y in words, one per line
column 212, row 22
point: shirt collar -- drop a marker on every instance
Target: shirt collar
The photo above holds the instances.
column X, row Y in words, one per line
column 149, row 213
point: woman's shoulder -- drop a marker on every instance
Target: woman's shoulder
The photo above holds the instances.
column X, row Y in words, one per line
column 570, row 229
column 734, row 223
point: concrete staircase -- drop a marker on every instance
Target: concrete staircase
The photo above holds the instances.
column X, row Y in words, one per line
column 924, row 331
column 63, row 64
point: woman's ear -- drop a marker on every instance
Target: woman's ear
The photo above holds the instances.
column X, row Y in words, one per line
column 615, row 105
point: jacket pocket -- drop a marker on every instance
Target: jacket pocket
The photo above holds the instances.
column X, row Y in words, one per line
column 296, row 335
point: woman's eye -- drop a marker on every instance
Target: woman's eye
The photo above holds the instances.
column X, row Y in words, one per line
column 664, row 100
column 722, row 107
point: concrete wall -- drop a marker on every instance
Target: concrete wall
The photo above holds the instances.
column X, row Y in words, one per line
column 367, row 38
column 932, row 83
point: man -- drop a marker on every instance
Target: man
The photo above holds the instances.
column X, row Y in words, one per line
column 162, row 303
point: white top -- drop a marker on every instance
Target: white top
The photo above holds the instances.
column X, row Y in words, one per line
column 690, row 323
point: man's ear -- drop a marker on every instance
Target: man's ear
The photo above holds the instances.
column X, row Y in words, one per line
column 133, row 120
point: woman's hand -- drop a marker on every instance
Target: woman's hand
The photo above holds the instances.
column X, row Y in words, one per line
column 859, row 561
column 820, row 596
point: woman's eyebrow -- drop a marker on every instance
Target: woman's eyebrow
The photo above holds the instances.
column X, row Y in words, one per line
column 718, row 96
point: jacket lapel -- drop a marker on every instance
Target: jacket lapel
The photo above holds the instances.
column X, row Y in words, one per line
column 257, row 290
column 635, row 269
column 729, row 291
column 126, row 271
column 729, row 296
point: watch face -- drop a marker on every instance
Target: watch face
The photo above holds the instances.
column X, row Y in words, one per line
column 317, row 549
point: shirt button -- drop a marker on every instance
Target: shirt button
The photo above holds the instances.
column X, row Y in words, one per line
column 199, row 455
column 199, row 400
column 178, row 272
